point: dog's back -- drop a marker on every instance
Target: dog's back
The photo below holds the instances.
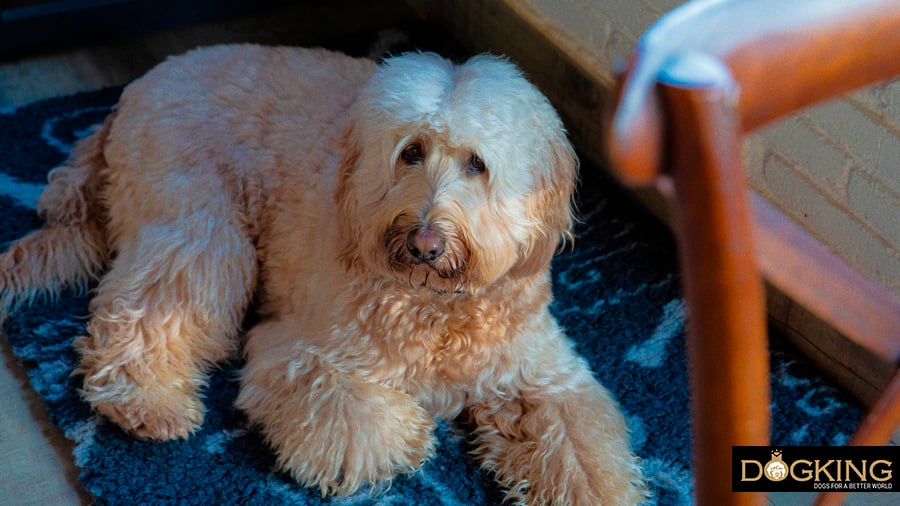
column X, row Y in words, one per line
column 224, row 98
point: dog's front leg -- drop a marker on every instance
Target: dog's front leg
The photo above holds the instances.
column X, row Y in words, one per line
column 560, row 440
column 331, row 428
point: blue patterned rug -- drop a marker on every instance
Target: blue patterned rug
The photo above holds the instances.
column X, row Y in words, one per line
column 617, row 294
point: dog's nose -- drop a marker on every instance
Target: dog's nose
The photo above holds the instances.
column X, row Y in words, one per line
column 425, row 244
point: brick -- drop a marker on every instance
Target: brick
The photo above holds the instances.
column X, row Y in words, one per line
column 869, row 140
column 881, row 100
column 831, row 222
column 797, row 141
column 875, row 204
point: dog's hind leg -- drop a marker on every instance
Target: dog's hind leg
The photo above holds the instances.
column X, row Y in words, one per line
column 167, row 311
column 71, row 248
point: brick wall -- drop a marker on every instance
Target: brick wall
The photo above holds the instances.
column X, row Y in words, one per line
column 835, row 168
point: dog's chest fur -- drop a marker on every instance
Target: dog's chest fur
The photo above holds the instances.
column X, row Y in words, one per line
column 444, row 350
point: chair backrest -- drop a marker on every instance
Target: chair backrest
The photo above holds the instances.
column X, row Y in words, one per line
column 703, row 76
column 781, row 56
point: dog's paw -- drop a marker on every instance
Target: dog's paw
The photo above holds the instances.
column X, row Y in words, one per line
column 152, row 421
column 538, row 474
column 616, row 481
column 145, row 411
column 560, row 450
column 360, row 438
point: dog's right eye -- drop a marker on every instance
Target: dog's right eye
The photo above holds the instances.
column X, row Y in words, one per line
column 412, row 154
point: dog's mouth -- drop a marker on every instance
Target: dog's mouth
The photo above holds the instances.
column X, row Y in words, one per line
column 428, row 256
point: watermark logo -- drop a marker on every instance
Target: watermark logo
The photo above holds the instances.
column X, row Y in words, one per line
column 775, row 469
column 814, row 468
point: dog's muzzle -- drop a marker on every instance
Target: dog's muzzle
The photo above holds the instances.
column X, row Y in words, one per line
column 427, row 255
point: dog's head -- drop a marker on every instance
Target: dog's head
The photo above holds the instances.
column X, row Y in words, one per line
column 454, row 175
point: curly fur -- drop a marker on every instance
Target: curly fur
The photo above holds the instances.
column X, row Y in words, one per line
column 396, row 225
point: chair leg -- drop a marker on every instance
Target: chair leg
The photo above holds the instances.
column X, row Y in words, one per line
column 876, row 429
column 727, row 342
column 883, row 419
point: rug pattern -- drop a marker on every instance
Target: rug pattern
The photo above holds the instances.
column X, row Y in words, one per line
column 616, row 293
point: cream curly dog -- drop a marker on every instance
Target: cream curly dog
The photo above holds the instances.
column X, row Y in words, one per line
column 395, row 225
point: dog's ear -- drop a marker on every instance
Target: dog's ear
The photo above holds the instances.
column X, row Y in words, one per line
column 551, row 206
column 346, row 205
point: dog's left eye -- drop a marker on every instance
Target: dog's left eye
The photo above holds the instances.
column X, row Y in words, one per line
column 412, row 154
column 476, row 165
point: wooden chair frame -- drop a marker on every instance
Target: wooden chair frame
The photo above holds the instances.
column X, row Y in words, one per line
column 706, row 74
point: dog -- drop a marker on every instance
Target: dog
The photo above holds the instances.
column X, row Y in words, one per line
column 393, row 227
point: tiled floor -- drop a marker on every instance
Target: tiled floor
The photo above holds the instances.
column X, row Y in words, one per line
column 35, row 458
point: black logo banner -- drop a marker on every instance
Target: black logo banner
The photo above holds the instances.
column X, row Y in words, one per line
column 815, row 468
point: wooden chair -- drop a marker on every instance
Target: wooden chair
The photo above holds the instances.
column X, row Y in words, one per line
column 704, row 75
